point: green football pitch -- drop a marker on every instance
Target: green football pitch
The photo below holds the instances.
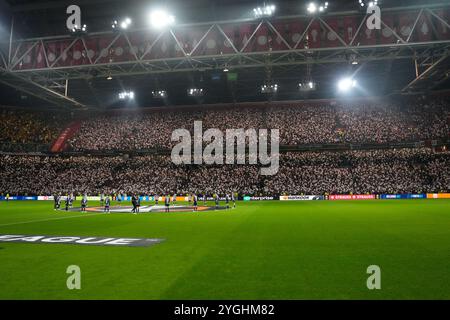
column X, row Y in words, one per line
column 260, row 250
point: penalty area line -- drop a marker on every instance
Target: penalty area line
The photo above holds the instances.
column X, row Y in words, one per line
column 45, row 220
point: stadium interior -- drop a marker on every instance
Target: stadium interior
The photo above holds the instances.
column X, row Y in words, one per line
column 91, row 110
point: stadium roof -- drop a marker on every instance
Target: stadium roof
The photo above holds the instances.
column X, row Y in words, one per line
column 43, row 18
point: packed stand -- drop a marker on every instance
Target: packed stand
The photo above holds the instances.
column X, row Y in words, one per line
column 19, row 126
column 379, row 171
column 352, row 122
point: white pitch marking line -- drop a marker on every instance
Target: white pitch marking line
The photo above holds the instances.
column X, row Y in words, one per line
column 44, row 220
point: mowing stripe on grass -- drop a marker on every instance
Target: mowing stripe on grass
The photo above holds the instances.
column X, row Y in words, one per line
column 44, row 220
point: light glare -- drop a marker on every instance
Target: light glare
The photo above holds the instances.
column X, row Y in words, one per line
column 346, row 84
column 160, row 19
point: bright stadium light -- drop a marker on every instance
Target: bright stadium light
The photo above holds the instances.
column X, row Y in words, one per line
column 269, row 88
column 129, row 95
column 195, row 92
column 370, row 3
column 160, row 19
column 307, row 86
column 265, row 11
column 159, row 94
column 345, row 84
column 313, row 7
column 79, row 30
column 123, row 24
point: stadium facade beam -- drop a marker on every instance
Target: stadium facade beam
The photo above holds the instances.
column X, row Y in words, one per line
column 243, row 60
column 37, row 90
column 432, row 76
column 97, row 54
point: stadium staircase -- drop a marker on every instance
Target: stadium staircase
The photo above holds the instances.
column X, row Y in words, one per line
column 60, row 143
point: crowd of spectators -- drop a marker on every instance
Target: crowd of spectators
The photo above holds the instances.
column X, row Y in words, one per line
column 353, row 122
column 391, row 122
column 380, row 121
column 372, row 171
column 30, row 127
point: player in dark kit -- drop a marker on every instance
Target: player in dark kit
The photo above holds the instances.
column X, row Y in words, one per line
column 58, row 201
column 156, row 199
column 134, row 203
column 107, row 203
column 167, row 203
column 71, row 200
column 138, row 203
column 84, row 203
column 227, row 201
column 55, row 199
column 67, row 202
column 217, row 201
column 194, row 199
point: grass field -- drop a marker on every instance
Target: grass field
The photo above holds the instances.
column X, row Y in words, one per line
column 261, row 250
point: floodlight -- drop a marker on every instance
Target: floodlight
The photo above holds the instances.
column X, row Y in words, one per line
column 160, row 19
column 195, row 92
column 346, row 84
column 126, row 95
column 269, row 88
column 370, row 3
column 79, row 30
column 265, row 11
column 123, row 24
column 307, row 86
column 312, row 8
column 159, row 94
